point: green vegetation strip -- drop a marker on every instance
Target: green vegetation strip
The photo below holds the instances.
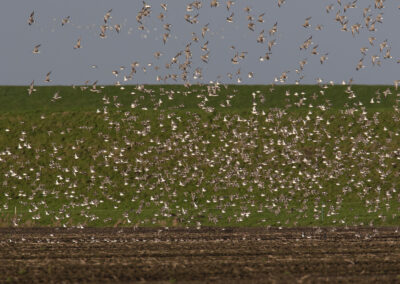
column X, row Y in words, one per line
column 200, row 156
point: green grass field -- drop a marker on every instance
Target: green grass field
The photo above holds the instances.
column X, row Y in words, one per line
column 200, row 156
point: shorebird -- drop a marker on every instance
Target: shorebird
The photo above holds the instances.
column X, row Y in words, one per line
column 251, row 26
column 323, row 58
column 260, row 18
column 103, row 29
column 372, row 27
column 230, row 18
column 214, row 3
column 329, row 8
column 107, row 16
column 307, row 22
column 204, row 57
column 387, row 54
column 274, row 29
column 65, row 21
column 157, row 54
column 48, row 77
column 205, row 46
column 161, row 17
column 189, row 8
column 167, row 27
column 78, row 44
column 31, row 88
column 364, row 50
column 355, row 29
column 261, row 37
column 31, row 18
column 371, row 40
column 314, row 50
column 271, row 43
column 396, row 82
column 302, row 63
column 229, row 4
column 360, row 64
column 204, row 30
column 383, row 45
column 319, row 27
column 306, row 43
column 165, row 37
column 235, row 59
column 267, row 56
column 55, row 97
column 379, row 18
column 117, row 28
column 36, row 49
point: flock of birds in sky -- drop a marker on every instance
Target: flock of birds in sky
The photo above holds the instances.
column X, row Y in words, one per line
column 225, row 167
column 187, row 68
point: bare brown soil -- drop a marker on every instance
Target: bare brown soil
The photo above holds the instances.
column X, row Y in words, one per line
column 301, row 255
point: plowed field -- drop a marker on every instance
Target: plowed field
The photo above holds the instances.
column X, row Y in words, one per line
column 301, row 255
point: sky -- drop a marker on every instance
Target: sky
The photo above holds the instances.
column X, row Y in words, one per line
column 19, row 66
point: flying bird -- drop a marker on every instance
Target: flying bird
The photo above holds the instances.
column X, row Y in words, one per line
column 230, row 18
column 329, row 8
column 323, row 58
column 31, row 88
column 48, row 77
column 371, row 40
column 274, row 29
column 31, row 18
column 117, row 28
column 214, row 3
column 360, row 64
column 107, row 16
column 260, row 18
column 36, row 49
column 65, row 21
column 229, row 4
column 307, row 22
column 204, row 30
column 78, row 44
column 251, row 26
column 55, row 97
column 314, row 50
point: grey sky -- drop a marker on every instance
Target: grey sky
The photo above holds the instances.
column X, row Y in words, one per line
column 19, row 66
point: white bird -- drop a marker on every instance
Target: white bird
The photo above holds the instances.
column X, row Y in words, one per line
column 55, row 97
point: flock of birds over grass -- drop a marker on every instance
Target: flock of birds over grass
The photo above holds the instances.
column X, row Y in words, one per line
column 141, row 164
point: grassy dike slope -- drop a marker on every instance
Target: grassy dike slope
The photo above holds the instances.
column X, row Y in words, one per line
column 200, row 156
